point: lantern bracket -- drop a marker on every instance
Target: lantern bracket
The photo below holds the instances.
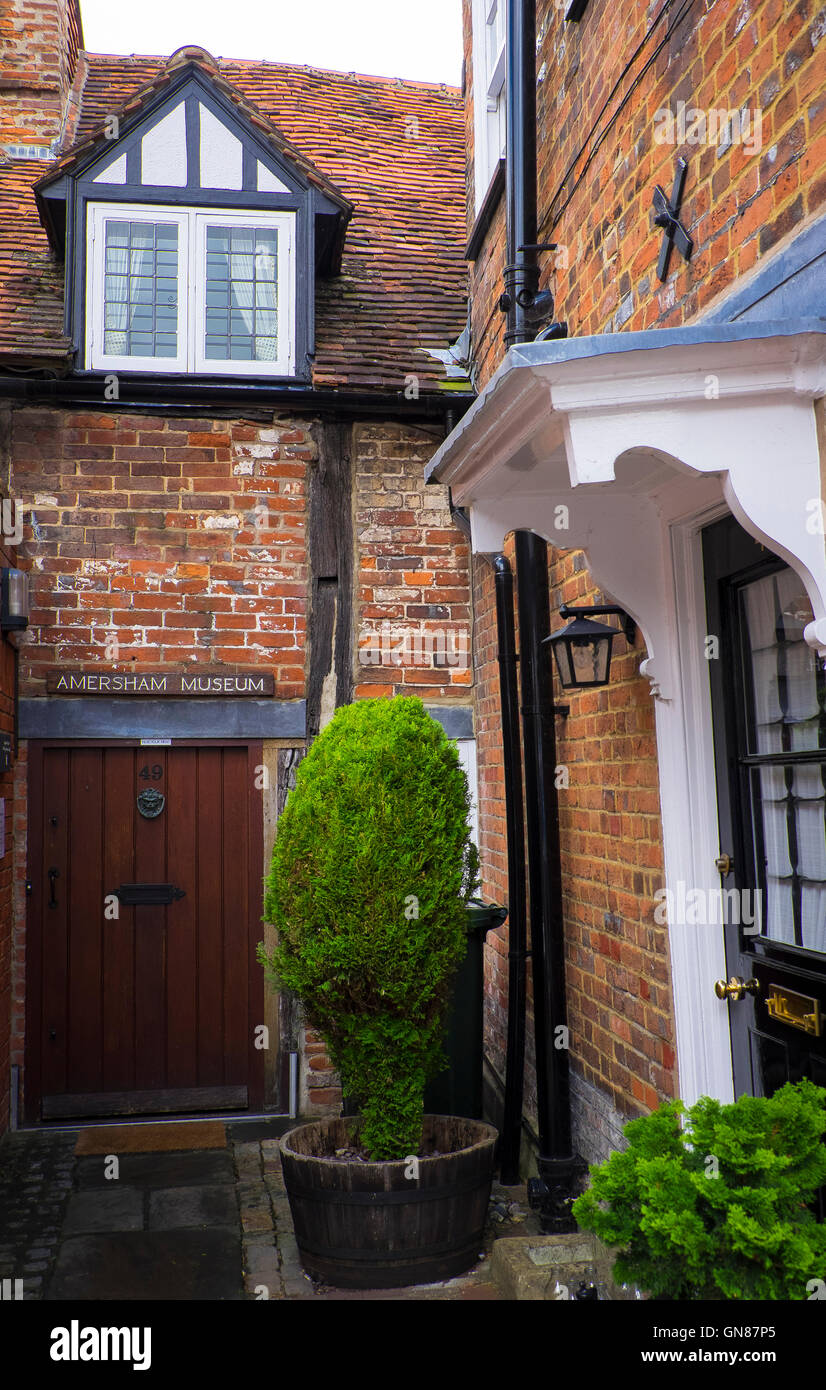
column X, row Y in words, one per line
column 627, row 624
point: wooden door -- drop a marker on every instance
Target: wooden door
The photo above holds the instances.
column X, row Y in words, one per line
column 769, row 714
column 145, row 909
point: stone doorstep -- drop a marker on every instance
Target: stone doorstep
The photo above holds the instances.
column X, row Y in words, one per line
column 529, row 1267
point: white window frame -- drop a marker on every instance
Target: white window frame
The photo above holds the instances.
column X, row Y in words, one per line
column 192, row 223
column 489, row 91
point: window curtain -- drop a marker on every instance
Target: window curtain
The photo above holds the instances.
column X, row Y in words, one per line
column 789, row 696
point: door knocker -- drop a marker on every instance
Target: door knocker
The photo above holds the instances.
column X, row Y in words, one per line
column 151, row 803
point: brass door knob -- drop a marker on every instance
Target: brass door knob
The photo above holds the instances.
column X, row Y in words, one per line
column 724, row 864
column 736, row 988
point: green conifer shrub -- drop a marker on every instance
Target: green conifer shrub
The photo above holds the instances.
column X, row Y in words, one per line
column 720, row 1208
column 371, row 868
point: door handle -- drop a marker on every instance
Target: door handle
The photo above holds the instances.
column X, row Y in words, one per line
column 54, row 874
column 735, row 988
column 724, row 864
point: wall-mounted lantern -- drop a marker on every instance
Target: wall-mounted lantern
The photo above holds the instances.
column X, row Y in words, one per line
column 582, row 650
column 14, row 600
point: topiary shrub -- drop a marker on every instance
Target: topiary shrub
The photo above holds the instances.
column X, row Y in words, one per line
column 371, row 868
column 720, row 1208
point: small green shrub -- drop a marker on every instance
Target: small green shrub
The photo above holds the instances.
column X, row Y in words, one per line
column 720, row 1208
column 371, row 867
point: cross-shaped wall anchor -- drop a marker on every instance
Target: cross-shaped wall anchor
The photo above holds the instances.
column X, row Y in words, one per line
column 674, row 233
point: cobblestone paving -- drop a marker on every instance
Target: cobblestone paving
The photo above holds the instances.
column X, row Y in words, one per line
column 35, row 1184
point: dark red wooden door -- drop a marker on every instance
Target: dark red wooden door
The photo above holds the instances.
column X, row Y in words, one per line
column 143, row 1008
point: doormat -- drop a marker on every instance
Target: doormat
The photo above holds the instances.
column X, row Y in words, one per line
column 158, row 1138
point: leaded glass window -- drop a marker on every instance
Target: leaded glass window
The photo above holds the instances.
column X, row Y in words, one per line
column 191, row 290
column 241, row 294
column 785, row 758
column 140, row 289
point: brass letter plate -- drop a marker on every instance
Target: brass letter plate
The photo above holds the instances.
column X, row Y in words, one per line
column 797, row 1010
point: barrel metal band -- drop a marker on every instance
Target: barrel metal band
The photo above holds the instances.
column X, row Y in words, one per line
column 387, row 1257
column 381, row 1199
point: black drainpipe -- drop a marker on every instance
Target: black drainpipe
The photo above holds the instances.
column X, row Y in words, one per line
column 552, row 1191
column 511, row 1136
column 521, row 274
column 559, row 1167
column 520, row 284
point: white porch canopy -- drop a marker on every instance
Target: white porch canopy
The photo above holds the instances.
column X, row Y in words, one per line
column 625, row 446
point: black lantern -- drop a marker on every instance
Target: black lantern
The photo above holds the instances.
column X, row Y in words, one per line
column 14, row 608
column 582, row 650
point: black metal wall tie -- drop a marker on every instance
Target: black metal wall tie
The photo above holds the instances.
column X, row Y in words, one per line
column 668, row 217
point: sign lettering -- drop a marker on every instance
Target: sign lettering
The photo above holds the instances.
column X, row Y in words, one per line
column 153, row 684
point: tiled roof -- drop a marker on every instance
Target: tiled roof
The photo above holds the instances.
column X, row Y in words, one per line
column 394, row 149
column 84, row 144
column 31, row 279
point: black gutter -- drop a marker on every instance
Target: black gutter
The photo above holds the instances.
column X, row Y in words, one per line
column 159, row 393
column 511, row 1136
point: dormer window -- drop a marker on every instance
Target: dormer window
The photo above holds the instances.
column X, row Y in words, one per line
column 193, row 232
column 190, row 290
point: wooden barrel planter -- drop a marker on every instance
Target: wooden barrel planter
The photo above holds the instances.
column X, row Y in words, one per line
column 366, row 1226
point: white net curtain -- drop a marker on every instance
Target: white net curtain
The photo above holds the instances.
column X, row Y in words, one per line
column 787, row 697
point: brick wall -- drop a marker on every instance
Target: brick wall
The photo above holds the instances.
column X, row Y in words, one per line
column 741, row 200
column 597, row 169
column 617, row 963
column 158, row 541
column 39, row 41
column 413, row 596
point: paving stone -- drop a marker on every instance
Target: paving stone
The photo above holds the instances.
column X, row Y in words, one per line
column 208, row 1166
column 177, row 1207
column 175, row 1266
column 261, row 1266
column 118, row 1210
column 257, row 1219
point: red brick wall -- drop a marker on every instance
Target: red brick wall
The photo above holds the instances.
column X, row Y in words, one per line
column 761, row 55
column 413, row 595
column 181, row 539
column 39, row 41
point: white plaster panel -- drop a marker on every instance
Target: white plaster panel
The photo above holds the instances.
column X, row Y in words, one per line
column 222, row 153
column 113, row 173
column 163, row 151
column 268, row 182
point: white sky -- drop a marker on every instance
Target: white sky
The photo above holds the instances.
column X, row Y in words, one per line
column 389, row 38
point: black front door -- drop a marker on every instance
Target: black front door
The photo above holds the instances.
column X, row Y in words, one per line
column 769, row 714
